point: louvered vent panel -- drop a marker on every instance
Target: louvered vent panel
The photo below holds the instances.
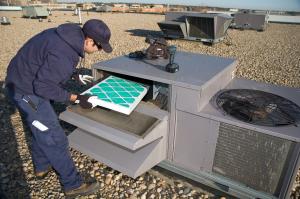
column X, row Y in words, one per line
column 255, row 159
column 201, row 27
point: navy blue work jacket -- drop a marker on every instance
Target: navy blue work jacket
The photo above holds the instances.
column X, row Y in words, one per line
column 46, row 62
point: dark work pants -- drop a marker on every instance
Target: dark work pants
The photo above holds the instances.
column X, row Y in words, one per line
column 50, row 146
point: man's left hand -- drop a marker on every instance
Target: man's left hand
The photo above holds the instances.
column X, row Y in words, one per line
column 86, row 101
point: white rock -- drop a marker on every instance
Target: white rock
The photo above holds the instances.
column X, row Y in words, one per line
column 144, row 195
column 108, row 179
column 151, row 186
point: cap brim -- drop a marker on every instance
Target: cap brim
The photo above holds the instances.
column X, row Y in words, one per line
column 107, row 48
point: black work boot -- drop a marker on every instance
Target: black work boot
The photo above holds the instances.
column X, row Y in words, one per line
column 42, row 174
column 84, row 189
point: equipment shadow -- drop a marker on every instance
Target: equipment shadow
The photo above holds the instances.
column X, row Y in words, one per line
column 144, row 33
column 13, row 181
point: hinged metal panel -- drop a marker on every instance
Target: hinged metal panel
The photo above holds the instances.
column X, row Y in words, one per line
column 132, row 132
column 131, row 163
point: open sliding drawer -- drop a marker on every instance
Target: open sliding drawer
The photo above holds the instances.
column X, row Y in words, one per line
column 131, row 143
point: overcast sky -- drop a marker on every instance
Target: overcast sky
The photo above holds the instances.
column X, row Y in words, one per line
column 284, row 5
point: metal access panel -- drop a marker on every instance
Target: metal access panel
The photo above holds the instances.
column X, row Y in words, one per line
column 190, row 132
column 250, row 21
column 130, row 144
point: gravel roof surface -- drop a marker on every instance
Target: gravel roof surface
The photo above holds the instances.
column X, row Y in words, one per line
column 272, row 56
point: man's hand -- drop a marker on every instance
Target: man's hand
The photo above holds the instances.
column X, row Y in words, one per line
column 86, row 101
column 83, row 79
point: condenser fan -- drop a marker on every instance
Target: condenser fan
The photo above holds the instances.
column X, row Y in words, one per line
column 258, row 107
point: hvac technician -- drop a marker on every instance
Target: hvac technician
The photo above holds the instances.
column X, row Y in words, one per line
column 36, row 75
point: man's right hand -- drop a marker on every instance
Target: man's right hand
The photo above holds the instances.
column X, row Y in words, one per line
column 83, row 79
column 86, row 101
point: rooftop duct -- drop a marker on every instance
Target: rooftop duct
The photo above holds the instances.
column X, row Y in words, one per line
column 4, row 21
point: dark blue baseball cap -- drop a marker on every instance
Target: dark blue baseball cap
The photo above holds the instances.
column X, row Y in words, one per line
column 99, row 32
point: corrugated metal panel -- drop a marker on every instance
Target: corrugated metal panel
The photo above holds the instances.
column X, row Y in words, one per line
column 253, row 158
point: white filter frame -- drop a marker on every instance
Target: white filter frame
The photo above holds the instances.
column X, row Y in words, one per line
column 112, row 105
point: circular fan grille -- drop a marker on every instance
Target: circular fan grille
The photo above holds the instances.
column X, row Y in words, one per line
column 258, row 107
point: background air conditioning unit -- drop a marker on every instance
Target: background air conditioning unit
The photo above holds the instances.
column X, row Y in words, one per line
column 253, row 21
column 205, row 27
column 210, row 27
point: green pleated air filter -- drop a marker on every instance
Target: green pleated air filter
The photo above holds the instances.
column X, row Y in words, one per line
column 118, row 94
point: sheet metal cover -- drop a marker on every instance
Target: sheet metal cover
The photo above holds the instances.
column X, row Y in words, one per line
column 118, row 94
column 136, row 123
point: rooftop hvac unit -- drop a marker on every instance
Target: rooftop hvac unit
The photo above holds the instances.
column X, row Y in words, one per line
column 208, row 27
column 35, row 12
column 205, row 27
column 250, row 21
column 236, row 135
column 104, row 8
